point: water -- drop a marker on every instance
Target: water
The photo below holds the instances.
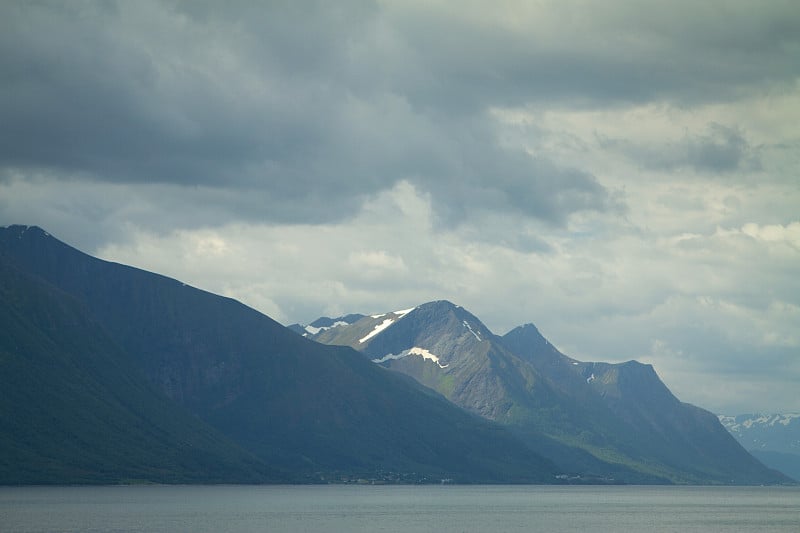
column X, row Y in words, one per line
column 399, row 508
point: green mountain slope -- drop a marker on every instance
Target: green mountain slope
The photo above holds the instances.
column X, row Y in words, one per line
column 649, row 424
column 311, row 410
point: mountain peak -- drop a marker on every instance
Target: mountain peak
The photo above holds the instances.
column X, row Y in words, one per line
column 527, row 330
column 526, row 340
column 18, row 230
column 324, row 323
column 440, row 305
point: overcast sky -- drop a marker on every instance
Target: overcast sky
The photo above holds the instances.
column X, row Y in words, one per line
column 625, row 175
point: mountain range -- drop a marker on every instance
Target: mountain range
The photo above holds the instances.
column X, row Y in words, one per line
column 607, row 421
column 772, row 438
column 111, row 374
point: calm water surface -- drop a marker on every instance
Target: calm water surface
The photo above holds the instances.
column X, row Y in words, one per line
column 399, row 508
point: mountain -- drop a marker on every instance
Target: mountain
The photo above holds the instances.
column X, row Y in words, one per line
column 773, row 438
column 606, row 420
column 305, row 411
column 657, row 427
column 73, row 410
column 768, row 432
column 324, row 323
column 448, row 349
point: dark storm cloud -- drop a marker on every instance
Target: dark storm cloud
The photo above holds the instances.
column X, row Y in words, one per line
column 723, row 149
column 719, row 150
column 137, row 93
column 295, row 111
column 590, row 54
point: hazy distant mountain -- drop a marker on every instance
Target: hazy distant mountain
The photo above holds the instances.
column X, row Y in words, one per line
column 323, row 323
column 773, row 438
column 307, row 412
column 647, row 421
column 605, row 420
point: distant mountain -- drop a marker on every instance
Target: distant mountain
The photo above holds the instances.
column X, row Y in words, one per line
column 647, row 422
column 605, row 420
column 323, row 323
column 259, row 395
column 773, row 438
column 768, row 432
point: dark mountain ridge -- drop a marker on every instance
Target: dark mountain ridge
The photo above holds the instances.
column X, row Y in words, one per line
column 74, row 410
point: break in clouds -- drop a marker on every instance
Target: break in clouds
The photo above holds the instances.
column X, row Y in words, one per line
column 624, row 175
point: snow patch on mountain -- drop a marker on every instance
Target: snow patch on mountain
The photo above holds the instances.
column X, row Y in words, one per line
column 380, row 327
column 385, row 324
column 426, row 355
column 313, row 331
column 416, row 350
column 766, row 432
column 472, row 331
column 736, row 423
column 787, row 419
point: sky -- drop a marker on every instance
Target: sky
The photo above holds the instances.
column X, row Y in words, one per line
column 623, row 174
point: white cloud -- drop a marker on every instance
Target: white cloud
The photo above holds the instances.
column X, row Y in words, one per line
column 623, row 176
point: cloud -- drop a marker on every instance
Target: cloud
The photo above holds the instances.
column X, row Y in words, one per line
column 580, row 54
column 190, row 96
column 622, row 174
column 308, row 104
column 719, row 150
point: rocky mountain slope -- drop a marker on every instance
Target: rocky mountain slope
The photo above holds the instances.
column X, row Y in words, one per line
column 605, row 420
